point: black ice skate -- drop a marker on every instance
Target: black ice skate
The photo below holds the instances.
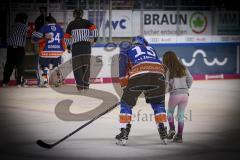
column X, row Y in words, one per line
column 123, row 136
column 163, row 134
column 45, row 84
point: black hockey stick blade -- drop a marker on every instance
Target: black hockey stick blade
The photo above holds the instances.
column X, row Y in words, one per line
column 49, row 146
column 43, row 144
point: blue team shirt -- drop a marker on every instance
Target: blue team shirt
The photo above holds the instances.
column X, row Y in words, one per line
column 135, row 55
column 54, row 44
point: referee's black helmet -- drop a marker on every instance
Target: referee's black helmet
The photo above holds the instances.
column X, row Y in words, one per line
column 78, row 13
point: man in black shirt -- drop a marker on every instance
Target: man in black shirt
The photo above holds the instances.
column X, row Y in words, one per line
column 80, row 35
column 15, row 50
column 40, row 21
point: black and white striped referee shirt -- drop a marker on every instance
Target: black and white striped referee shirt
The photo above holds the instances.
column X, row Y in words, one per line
column 18, row 35
column 80, row 30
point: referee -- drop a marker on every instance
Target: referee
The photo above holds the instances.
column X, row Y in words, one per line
column 80, row 35
column 15, row 50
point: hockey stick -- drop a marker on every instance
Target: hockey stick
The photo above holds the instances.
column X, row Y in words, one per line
column 49, row 146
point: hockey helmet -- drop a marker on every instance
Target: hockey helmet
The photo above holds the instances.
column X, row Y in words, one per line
column 50, row 19
column 139, row 40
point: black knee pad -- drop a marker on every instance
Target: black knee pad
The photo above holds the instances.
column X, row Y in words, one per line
column 157, row 99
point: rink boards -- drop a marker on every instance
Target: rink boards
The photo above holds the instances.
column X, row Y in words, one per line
column 211, row 60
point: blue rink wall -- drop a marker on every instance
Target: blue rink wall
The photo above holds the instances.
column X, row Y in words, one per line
column 200, row 58
column 205, row 58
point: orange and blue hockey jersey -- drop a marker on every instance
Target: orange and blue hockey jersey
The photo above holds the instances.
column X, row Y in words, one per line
column 50, row 48
column 137, row 60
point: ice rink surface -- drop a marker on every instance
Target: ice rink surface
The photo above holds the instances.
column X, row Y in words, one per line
column 27, row 114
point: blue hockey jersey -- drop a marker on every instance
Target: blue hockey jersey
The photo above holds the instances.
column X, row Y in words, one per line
column 50, row 48
column 138, row 60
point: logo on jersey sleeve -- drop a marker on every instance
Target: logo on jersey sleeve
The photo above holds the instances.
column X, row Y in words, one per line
column 53, row 28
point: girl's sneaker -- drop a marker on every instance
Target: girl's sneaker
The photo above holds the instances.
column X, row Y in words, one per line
column 178, row 139
column 171, row 134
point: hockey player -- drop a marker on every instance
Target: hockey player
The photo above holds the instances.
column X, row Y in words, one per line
column 140, row 70
column 51, row 47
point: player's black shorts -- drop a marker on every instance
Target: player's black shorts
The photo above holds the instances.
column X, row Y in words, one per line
column 151, row 84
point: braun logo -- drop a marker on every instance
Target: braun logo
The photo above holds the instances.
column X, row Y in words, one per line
column 167, row 19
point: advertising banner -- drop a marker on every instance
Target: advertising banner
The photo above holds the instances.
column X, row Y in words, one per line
column 228, row 23
column 205, row 59
column 192, row 39
column 166, row 23
column 121, row 22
